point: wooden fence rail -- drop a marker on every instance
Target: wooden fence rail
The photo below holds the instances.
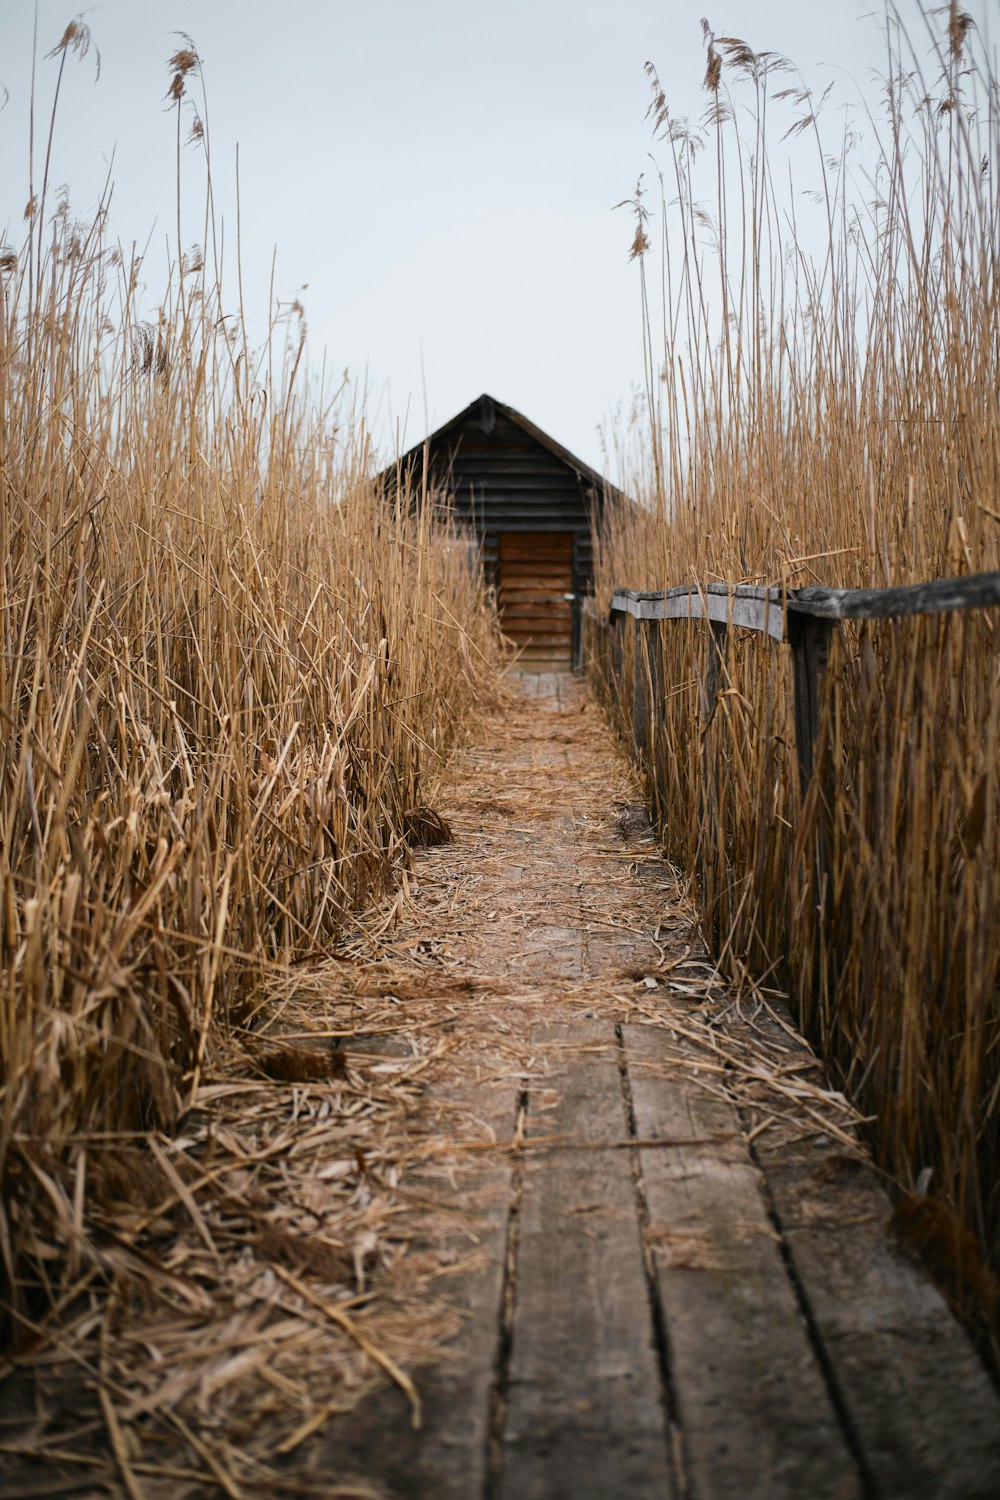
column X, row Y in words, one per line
column 803, row 619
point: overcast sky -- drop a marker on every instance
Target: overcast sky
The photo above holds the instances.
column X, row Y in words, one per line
column 440, row 174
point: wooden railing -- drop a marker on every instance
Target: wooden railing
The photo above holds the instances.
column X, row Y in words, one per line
column 803, row 619
column 877, row 916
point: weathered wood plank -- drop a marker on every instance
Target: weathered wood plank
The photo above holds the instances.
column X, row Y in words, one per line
column 926, row 1415
column 973, row 591
column 730, row 604
column 763, row 609
column 756, row 1414
column 585, row 1417
column 447, row 1458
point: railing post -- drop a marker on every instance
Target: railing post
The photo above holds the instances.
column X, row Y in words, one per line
column 809, row 638
column 708, row 810
column 638, row 689
column 616, row 658
column 645, row 685
column 710, row 681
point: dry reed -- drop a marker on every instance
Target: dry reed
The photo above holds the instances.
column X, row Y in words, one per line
column 835, row 419
column 230, row 670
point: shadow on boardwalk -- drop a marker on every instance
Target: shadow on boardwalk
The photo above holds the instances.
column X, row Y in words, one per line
column 682, row 1282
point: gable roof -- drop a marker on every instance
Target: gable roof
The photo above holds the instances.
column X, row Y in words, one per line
column 485, row 407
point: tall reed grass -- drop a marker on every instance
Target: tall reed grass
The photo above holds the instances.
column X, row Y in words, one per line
column 834, row 417
column 228, row 668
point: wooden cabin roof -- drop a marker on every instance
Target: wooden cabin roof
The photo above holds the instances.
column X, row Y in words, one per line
column 478, row 448
column 531, row 504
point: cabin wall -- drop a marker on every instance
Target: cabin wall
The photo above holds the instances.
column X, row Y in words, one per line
column 503, row 481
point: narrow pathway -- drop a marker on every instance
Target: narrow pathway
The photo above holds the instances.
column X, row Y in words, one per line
column 671, row 1256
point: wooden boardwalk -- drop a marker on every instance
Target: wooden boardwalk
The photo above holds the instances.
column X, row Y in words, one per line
column 684, row 1284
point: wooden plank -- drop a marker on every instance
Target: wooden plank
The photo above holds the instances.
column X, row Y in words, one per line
column 447, row 1458
column 555, row 613
column 973, row 591
column 544, row 665
column 539, row 616
column 555, row 646
column 558, row 615
column 558, row 641
column 540, row 631
column 502, row 473
column 536, row 590
column 536, row 573
column 763, row 609
column 528, row 590
column 757, row 1417
column 584, row 1412
column 924, row 1411
column 539, row 636
column 528, row 547
column 544, row 591
column 538, row 557
column 548, row 606
column 753, row 608
column 550, row 630
column 538, row 603
column 524, row 573
column 543, row 555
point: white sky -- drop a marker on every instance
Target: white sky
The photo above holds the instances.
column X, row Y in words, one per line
column 441, row 173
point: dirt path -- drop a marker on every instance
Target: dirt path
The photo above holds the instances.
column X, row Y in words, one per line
column 594, row 1222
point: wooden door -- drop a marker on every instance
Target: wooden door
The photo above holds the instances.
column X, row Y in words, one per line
column 536, row 576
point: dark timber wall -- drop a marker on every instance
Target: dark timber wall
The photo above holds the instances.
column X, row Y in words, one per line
column 513, row 485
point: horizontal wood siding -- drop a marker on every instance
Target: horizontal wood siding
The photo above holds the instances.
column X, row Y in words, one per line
column 536, row 575
column 504, row 481
column 504, row 476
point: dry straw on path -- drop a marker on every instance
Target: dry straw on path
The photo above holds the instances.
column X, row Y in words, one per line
column 255, row 1276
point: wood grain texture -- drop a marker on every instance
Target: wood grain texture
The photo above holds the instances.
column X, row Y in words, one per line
column 763, row 609
column 757, row 1418
column 447, row 1458
column 736, row 604
column 535, row 594
column 926, row 1416
column 810, row 642
column 496, row 472
column 585, row 1419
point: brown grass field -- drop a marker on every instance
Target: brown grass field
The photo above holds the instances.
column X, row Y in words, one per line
column 844, row 430
column 230, row 671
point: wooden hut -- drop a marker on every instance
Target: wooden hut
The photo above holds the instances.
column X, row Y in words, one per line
column 531, row 506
